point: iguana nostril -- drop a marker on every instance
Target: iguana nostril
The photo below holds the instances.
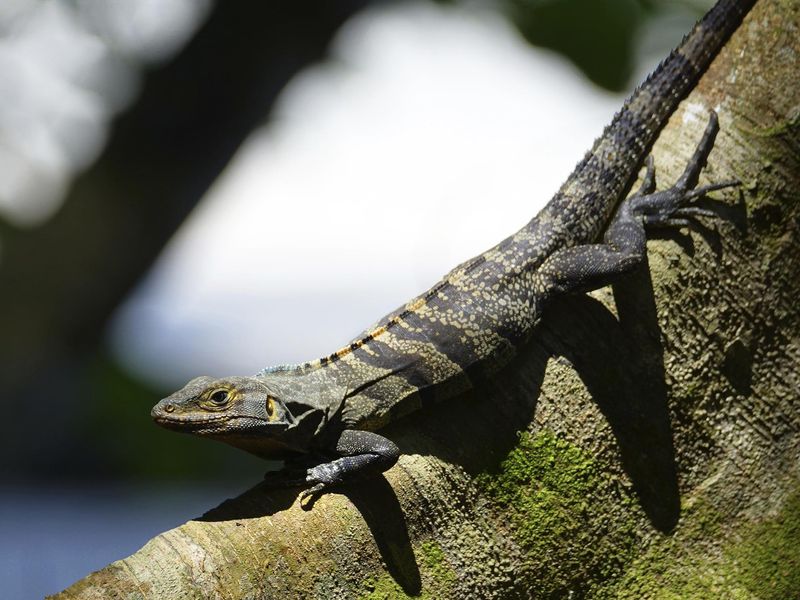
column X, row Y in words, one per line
column 169, row 408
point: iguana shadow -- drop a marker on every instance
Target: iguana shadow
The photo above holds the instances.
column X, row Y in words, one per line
column 619, row 360
column 373, row 498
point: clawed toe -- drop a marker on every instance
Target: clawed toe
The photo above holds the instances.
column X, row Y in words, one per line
column 649, row 182
column 659, row 221
column 694, row 211
column 671, row 208
column 703, row 190
column 308, row 497
column 679, row 217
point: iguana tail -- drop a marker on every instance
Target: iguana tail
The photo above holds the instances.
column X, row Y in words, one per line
column 586, row 201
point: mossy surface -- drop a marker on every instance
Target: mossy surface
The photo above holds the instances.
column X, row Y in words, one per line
column 384, row 588
column 435, row 566
column 757, row 561
column 569, row 517
column 438, row 578
column 766, row 559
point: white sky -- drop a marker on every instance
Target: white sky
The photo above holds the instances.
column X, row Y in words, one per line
column 432, row 134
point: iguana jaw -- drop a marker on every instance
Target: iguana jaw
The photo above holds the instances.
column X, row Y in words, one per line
column 210, row 424
column 246, row 433
column 197, row 424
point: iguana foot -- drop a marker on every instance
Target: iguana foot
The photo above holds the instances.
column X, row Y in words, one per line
column 363, row 454
column 309, row 496
column 591, row 266
column 321, row 477
column 670, row 207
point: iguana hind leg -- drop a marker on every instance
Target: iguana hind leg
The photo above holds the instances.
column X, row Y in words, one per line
column 588, row 267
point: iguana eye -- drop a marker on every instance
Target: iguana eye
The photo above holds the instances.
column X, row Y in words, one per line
column 270, row 406
column 219, row 397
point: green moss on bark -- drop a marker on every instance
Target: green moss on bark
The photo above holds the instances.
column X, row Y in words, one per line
column 756, row 561
column 765, row 559
column 564, row 515
column 438, row 578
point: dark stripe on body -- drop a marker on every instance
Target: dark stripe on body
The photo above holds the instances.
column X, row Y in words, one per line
column 411, row 368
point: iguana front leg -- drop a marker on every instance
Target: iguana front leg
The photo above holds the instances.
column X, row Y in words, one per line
column 362, row 454
column 591, row 266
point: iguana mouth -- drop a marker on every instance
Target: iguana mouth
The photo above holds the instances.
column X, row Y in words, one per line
column 192, row 424
column 206, row 425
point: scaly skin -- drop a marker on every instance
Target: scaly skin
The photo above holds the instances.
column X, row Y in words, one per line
column 469, row 324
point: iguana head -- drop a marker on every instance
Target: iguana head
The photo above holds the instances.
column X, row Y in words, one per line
column 242, row 411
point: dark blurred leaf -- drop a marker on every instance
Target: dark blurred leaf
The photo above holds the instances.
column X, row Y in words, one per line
column 118, row 422
column 597, row 35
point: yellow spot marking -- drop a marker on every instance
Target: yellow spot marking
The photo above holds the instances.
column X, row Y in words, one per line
column 374, row 333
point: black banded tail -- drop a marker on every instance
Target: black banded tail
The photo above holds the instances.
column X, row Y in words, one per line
column 609, row 168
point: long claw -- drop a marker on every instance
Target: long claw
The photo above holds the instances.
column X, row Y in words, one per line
column 673, row 222
column 649, row 181
column 671, row 207
column 307, row 496
column 702, row 191
column 695, row 211
column 698, row 160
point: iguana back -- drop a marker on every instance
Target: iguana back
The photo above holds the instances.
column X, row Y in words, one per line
column 471, row 322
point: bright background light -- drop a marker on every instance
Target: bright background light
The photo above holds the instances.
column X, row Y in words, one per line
column 65, row 70
column 430, row 135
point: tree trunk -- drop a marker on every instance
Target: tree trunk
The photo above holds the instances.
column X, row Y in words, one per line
column 661, row 433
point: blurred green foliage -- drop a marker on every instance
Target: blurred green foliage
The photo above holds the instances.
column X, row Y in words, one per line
column 76, row 416
column 597, row 35
column 129, row 444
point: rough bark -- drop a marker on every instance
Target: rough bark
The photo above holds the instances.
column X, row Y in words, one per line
column 661, row 432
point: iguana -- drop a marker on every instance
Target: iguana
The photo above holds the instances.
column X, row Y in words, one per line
column 469, row 324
